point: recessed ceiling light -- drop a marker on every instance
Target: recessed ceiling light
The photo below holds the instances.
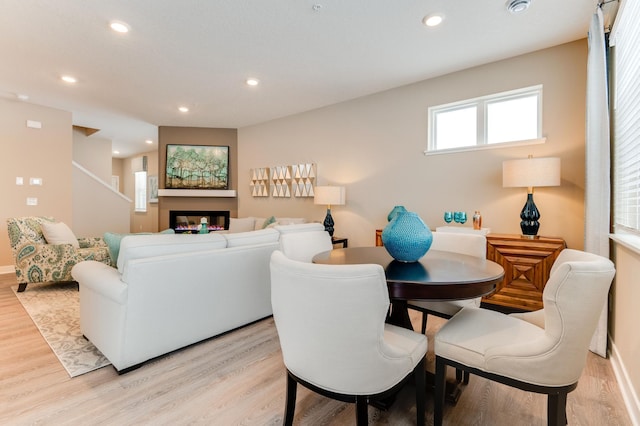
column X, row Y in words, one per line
column 119, row 27
column 68, row 79
column 518, row 6
column 22, row 96
column 432, row 20
column 183, row 109
column 116, row 152
column 149, row 141
column 253, row 81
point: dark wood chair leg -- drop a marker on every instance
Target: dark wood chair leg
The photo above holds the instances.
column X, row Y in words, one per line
column 465, row 380
column 22, row 287
column 424, row 323
column 421, row 392
column 362, row 410
column 557, row 409
column 290, row 405
column 438, row 398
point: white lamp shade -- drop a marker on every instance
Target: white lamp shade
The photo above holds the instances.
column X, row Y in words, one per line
column 531, row 172
column 329, row 195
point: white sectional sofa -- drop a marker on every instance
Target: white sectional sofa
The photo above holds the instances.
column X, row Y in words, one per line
column 170, row 291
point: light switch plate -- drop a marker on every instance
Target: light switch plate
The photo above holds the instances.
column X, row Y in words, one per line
column 19, row 180
column 35, row 181
column 32, row 201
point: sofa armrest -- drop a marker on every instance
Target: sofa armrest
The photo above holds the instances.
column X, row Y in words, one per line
column 36, row 263
column 100, row 279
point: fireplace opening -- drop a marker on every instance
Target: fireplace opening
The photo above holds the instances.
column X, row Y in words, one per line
column 190, row 221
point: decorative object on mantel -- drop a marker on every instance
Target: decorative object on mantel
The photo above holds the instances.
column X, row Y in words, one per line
column 197, row 167
column 529, row 173
column 394, row 212
column 281, row 182
column 304, row 179
column 407, row 238
column 329, row 195
column 259, row 182
column 204, row 229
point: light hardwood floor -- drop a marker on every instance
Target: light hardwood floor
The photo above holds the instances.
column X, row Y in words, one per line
column 238, row 379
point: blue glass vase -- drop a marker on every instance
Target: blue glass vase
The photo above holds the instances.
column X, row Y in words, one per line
column 394, row 212
column 407, row 238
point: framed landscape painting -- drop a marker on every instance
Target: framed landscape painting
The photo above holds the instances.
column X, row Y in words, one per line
column 197, row 167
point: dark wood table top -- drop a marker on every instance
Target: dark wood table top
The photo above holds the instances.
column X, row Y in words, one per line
column 439, row 275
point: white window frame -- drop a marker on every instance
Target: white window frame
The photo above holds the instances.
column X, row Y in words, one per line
column 481, row 104
column 626, row 134
column 140, row 191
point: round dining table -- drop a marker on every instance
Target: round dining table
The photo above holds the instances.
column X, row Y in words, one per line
column 438, row 275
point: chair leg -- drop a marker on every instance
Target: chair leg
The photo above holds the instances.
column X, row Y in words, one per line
column 557, row 409
column 424, row 323
column 22, row 287
column 419, row 375
column 438, row 398
column 466, row 378
column 362, row 410
column 290, row 405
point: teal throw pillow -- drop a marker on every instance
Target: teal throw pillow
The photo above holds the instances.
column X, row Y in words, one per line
column 113, row 242
column 269, row 221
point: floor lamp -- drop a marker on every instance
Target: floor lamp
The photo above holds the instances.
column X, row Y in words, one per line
column 329, row 195
column 529, row 173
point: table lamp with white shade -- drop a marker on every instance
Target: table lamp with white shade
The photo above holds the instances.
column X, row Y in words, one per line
column 529, row 173
column 329, row 195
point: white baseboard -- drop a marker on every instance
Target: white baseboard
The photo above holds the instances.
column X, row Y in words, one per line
column 626, row 387
column 8, row 269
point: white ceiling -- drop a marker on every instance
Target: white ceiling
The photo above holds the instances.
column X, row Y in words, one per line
column 198, row 53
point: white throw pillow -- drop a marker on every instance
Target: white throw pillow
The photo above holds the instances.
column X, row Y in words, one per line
column 58, row 233
column 244, row 224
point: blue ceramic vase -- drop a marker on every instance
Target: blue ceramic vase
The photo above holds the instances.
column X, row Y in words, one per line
column 407, row 238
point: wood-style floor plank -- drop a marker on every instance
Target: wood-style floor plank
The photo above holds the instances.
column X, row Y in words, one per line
column 239, row 379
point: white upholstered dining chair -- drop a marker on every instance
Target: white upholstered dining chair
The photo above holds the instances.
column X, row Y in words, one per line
column 469, row 244
column 543, row 351
column 302, row 242
column 331, row 324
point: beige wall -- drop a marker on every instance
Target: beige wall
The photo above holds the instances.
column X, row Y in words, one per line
column 45, row 153
column 197, row 136
column 374, row 146
column 93, row 153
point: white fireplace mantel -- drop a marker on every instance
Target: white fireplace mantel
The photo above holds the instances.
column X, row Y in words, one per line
column 229, row 193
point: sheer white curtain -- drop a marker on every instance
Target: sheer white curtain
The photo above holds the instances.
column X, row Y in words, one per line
column 597, row 188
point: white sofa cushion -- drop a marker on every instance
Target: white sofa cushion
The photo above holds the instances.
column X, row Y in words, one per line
column 290, row 220
column 142, row 246
column 251, row 238
column 242, row 224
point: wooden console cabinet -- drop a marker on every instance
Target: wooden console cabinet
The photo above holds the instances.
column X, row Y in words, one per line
column 527, row 263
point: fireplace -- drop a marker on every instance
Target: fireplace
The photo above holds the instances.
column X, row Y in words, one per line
column 189, row 221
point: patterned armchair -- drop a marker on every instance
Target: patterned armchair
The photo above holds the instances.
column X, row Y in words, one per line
column 36, row 261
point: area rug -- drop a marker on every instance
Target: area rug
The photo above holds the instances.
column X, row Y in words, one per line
column 55, row 310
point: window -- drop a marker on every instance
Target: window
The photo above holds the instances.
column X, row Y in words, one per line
column 626, row 118
column 141, row 191
column 514, row 116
